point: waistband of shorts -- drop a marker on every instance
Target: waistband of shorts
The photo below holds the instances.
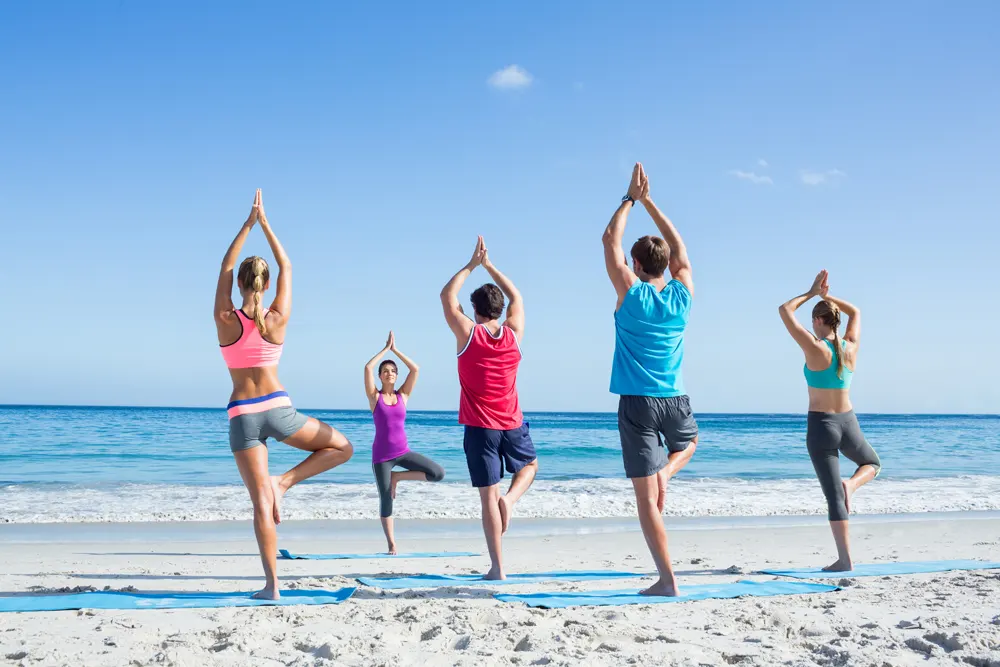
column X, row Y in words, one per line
column 249, row 406
column 814, row 414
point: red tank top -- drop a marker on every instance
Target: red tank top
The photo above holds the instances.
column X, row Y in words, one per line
column 487, row 372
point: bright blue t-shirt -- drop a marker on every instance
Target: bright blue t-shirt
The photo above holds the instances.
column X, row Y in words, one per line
column 649, row 340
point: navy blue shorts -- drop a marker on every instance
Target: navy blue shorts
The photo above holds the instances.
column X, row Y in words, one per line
column 485, row 447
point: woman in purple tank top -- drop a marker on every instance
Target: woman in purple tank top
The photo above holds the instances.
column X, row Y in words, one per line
column 390, row 448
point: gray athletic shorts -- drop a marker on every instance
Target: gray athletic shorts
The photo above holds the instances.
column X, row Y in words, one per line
column 651, row 428
column 250, row 430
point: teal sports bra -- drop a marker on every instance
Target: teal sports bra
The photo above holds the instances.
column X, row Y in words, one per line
column 827, row 379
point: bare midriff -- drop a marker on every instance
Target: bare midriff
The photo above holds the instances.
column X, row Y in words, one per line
column 829, row 400
column 254, row 382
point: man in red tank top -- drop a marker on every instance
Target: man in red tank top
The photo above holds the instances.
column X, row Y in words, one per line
column 496, row 436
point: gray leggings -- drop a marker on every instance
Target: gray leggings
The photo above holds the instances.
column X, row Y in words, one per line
column 410, row 461
column 827, row 435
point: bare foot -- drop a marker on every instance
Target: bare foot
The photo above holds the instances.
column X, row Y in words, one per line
column 505, row 509
column 278, row 494
column 662, row 588
column 661, row 482
column 495, row 574
column 268, row 593
column 848, row 491
column 839, row 566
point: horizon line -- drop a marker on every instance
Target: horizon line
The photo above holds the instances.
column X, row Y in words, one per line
column 529, row 412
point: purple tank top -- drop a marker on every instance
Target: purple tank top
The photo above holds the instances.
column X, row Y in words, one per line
column 390, row 430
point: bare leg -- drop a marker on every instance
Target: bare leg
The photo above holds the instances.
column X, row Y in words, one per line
column 252, row 464
column 518, row 485
column 646, row 494
column 329, row 449
column 488, row 496
column 841, row 535
column 675, row 463
column 390, row 538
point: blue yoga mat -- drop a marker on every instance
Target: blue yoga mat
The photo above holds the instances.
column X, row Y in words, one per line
column 119, row 600
column 285, row 553
column 884, row 569
column 557, row 600
column 438, row 580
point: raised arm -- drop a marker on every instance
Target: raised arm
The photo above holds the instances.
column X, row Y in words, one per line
column 810, row 345
column 515, row 305
column 224, row 288
column 620, row 273
column 413, row 372
column 680, row 265
column 456, row 318
column 853, row 333
column 282, row 304
column 371, row 390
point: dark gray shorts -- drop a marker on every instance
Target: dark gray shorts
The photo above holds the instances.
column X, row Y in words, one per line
column 651, row 428
column 250, row 430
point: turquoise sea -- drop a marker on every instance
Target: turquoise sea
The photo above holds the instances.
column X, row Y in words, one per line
column 122, row 463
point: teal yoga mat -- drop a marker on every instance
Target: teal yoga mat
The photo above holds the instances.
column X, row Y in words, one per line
column 285, row 553
column 886, row 569
column 438, row 580
column 119, row 600
column 558, row 600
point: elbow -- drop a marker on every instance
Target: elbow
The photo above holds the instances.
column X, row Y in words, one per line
column 607, row 238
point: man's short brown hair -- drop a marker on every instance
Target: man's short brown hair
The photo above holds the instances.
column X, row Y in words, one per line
column 487, row 301
column 653, row 255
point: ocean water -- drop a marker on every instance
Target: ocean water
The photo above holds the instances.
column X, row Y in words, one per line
column 169, row 464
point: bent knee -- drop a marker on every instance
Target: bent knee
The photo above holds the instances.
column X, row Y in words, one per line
column 435, row 475
column 346, row 450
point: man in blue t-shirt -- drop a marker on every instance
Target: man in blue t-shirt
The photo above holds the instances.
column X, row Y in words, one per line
column 657, row 429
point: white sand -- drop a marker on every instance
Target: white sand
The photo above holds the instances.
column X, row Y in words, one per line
column 950, row 618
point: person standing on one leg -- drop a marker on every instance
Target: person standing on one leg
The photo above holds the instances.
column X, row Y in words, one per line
column 390, row 448
column 657, row 429
column 251, row 338
column 496, row 435
column 832, row 426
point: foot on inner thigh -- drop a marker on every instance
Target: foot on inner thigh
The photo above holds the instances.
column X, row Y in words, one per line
column 661, row 483
column 392, row 486
column 278, row 491
column 505, row 512
column 848, row 491
column 662, row 588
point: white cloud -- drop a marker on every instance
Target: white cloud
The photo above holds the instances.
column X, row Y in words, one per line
column 810, row 177
column 762, row 162
column 754, row 178
column 511, row 77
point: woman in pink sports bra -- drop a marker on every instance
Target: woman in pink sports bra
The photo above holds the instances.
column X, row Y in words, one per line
column 259, row 407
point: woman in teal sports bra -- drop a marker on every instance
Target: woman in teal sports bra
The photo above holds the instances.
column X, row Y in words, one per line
column 832, row 427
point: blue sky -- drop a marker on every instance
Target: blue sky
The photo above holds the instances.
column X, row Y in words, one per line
column 781, row 137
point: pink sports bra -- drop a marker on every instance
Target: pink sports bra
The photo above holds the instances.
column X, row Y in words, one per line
column 250, row 350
